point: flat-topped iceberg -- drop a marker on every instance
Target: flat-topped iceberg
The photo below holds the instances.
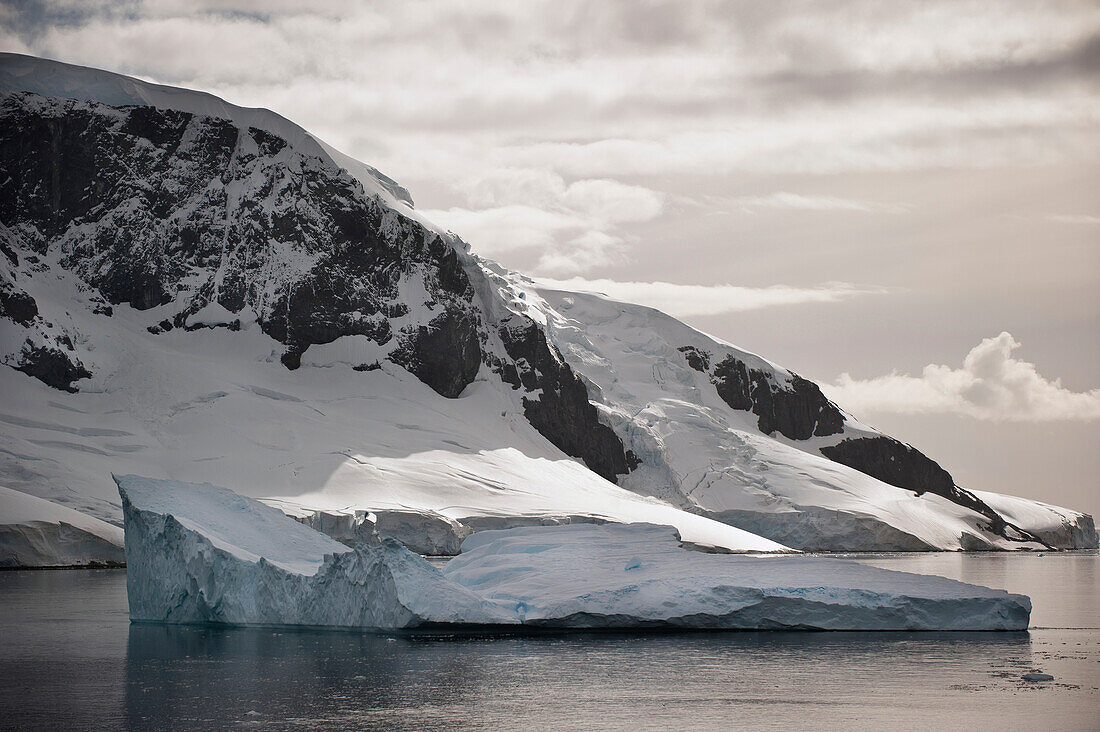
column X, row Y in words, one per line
column 638, row 575
column 197, row 553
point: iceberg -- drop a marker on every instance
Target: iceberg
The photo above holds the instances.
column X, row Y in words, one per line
column 35, row 532
column 639, row 576
column 197, row 553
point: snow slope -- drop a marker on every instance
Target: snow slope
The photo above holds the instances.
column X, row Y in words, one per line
column 39, row 533
column 698, row 453
column 315, row 342
column 1063, row 527
column 202, row 554
column 217, row 405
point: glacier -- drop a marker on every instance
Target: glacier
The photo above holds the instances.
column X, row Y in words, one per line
column 565, row 407
column 39, row 533
column 201, row 554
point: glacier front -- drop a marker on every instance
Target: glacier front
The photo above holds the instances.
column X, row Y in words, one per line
column 197, row 553
column 38, row 533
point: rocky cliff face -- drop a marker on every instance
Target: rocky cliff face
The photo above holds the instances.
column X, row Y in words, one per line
column 798, row 410
column 562, row 411
column 220, row 224
column 152, row 207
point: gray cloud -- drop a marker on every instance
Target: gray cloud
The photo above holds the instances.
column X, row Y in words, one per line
column 1078, row 64
column 776, row 135
column 575, row 227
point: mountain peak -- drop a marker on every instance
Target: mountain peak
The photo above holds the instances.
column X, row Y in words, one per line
column 205, row 292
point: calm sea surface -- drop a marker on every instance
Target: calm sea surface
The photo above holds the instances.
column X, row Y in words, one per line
column 69, row 658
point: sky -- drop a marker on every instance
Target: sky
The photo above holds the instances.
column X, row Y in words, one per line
column 899, row 200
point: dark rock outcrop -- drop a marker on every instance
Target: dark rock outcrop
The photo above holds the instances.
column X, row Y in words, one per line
column 445, row 354
column 898, row 464
column 17, row 305
column 797, row 410
column 562, row 413
column 151, row 206
column 52, row 366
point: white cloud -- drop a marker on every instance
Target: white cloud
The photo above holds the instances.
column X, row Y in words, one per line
column 591, row 249
column 991, row 385
column 782, row 199
column 1074, row 219
column 576, row 226
column 493, row 231
column 611, row 202
column 687, row 300
column 503, row 186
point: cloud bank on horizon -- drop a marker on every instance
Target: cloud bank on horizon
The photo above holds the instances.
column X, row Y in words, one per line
column 567, row 126
column 991, row 385
column 684, row 301
column 621, row 146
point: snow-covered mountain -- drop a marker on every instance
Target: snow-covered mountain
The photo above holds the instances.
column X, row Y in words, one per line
column 202, row 292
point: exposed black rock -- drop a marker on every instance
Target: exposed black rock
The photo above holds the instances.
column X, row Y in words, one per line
column 562, row 413
column 696, row 358
column 17, row 305
column 154, row 206
column 9, row 253
column 445, row 354
column 268, row 143
column 798, row 411
column 898, row 464
column 892, row 462
column 52, row 366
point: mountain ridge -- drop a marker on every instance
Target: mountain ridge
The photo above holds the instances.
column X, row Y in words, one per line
column 209, row 223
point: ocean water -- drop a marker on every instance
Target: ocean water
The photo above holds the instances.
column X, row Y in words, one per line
column 70, row 659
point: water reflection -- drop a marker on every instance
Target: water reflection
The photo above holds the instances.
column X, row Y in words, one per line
column 217, row 676
column 1064, row 587
column 70, row 659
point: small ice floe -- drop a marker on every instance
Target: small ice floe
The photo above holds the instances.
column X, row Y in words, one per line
column 359, row 677
column 1038, row 676
column 252, row 713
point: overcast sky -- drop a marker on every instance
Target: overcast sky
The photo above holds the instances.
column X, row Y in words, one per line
column 900, row 200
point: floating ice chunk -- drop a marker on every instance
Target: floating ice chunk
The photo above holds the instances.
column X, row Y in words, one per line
column 197, row 553
column 1037, row 676
column 638, row 575
column 202, row 554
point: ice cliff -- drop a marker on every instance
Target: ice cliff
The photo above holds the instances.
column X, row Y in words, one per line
column 202, row 554
column 39, row 533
